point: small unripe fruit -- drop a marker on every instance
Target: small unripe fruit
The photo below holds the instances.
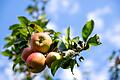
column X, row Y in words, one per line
column 26, row 52
column 51, row 57
column 36, row 62
column 40, row 42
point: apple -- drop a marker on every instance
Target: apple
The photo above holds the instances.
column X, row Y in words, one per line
column 51, row 57
column 25, row 53
column 36, row 62
column 40, row 42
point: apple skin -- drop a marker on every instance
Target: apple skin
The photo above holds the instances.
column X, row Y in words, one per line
column 36, row 62
column 26, row 52
column 51, row 57
column 40, row 42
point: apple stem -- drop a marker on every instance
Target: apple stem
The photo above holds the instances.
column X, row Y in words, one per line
column 29, row 74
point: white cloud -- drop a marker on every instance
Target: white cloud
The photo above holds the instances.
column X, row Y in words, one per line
column 72, row 7
column 75, row 8
column 63, row 6
column 103, row 75
column 53, row 7
column 10, row 75
column 113, row 35
column 97, row 14
column 90, row 70
column 65, row 3
column 8, row 72
column 51, row 25
column 38, row 78
column 66, row 74
column 88, row 63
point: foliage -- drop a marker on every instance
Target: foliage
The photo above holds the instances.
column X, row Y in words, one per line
column 68, row 47
column 115, row 69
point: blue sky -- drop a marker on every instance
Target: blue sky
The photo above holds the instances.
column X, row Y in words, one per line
column 72, row 13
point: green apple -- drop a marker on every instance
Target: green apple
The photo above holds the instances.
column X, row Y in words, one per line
column 51, row 57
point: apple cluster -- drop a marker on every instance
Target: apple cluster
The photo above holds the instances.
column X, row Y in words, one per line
column 37, row 56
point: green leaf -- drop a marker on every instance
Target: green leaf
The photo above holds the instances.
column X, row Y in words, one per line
column 51, row 31
column 76, row 39
column 13, row 67
column 8, row 44
column 7, row 53
column 19, row 41
column 53, row 46
column 95, row 40
column 23, row 20
column 10, row 41
column 16, row 61
column 15, row 32
column 66, row 63
column 56, row 35
column 87, row 47
column 67, row 37
column 55, row 65
column 15, row 26
column 20, row 44
column 9, row 38
column 41, row 23
column 24, row 32
column 36, row 27
column 31, row 30
column 87, row 29
column 61, row 46
column 16, row 48
column 72, row 64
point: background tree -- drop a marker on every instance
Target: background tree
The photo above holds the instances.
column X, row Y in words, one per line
column 115, row 69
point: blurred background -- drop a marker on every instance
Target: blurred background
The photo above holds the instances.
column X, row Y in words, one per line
column 74, row 13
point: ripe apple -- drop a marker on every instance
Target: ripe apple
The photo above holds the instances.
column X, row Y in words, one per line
column 26, row 52
column 51, row 57
column 36, row 62
column 40, row 42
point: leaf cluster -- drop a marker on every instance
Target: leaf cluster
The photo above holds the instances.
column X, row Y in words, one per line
column 20, row 39
column 69, row 48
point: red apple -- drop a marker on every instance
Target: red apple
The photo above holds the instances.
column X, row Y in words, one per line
column 51, row 57
column 40, row 42
column 26, row 52
column 36, row 62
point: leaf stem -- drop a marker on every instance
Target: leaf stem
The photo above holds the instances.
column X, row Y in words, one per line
column 28, row 30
